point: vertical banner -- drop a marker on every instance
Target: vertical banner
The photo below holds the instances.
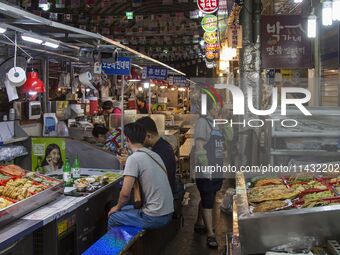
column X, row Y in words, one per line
column 235, row 36
column 284, row 42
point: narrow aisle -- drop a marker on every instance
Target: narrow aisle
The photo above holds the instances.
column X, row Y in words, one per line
column 187, row 242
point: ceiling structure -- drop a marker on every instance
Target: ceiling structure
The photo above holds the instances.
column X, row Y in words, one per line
column 161, row 29
column 281, row 7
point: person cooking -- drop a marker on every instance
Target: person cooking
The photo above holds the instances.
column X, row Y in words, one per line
column 107, row 109
column 142, row 106
column 111, row 140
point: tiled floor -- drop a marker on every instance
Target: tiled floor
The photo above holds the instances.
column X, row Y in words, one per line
column 189, row 243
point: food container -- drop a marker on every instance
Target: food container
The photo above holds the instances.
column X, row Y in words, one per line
column 22, row 207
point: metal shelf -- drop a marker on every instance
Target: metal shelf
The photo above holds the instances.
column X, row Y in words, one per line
column 15, row 140
column 321, row 153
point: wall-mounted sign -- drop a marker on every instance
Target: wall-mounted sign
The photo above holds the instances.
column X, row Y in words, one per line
column 207, row 6
column 209, row 23
column 121, row 67
column 284, row 42
column 155, row 72
column 210, row 37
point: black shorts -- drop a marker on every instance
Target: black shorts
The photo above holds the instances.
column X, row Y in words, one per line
column 208, row 189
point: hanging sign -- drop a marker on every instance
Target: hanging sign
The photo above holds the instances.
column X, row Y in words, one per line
column 209, row 23
column 155, row 72
column 121, row 67
column 212, row 47
column 210, row 37
column 207, row 6
column 210, row 55
column 235, row 36
column 284, row 42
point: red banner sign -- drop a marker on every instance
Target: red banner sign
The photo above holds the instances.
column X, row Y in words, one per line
column 207, row 6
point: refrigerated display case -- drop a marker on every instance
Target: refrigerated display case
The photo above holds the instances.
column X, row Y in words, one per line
column 261, row 231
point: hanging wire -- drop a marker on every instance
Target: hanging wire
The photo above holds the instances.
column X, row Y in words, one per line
column 15, row 51
column 14, row 43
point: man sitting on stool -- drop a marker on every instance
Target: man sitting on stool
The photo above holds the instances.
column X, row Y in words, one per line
column 148, row 168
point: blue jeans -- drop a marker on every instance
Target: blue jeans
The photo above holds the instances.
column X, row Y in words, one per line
column 128, row 216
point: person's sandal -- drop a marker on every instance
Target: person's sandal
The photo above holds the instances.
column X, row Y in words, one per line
column 211, row 242
column 200, row 229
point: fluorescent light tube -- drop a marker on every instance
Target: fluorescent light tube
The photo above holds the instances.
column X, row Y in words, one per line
column 31, row 39
column 50, row 44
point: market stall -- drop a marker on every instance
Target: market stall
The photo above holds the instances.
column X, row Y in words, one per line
column 285, row 213
column 76, row 72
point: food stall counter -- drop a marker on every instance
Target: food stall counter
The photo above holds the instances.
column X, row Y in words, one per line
column 19, row 229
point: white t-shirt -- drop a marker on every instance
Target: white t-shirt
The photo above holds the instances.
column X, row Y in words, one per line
column 157, row 194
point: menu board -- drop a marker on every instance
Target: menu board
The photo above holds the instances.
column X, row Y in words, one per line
column 284, row 42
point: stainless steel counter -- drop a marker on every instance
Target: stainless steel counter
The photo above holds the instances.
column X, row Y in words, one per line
column 48, row 213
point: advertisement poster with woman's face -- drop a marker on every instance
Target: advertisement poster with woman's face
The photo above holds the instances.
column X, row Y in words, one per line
column 48, row 154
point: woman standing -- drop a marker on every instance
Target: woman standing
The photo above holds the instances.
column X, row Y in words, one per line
column 209, row 151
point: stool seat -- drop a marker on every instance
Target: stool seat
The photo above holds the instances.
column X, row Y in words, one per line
column 116, row 241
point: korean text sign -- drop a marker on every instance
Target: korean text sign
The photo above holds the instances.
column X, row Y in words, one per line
column 155, row 72
column 121, row 67
column 284, row 42
column 207, row 6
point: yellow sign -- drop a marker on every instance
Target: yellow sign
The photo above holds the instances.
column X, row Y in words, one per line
column 210, row 37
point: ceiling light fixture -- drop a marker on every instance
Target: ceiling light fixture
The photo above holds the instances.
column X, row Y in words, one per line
column 31, row 39
column 146, row 85
column 51, row 45
column 45, row 7
column 298, row 1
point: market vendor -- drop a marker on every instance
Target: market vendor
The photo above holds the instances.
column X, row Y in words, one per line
column 109, row 108
column 110, row 139
column 142, row 106
column 146, row 167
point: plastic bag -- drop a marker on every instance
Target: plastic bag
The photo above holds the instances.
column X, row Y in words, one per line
column 227, row 202
column 8, row 153
column 297, row 244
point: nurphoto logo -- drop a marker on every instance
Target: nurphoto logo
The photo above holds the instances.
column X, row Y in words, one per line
column 239, row 108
